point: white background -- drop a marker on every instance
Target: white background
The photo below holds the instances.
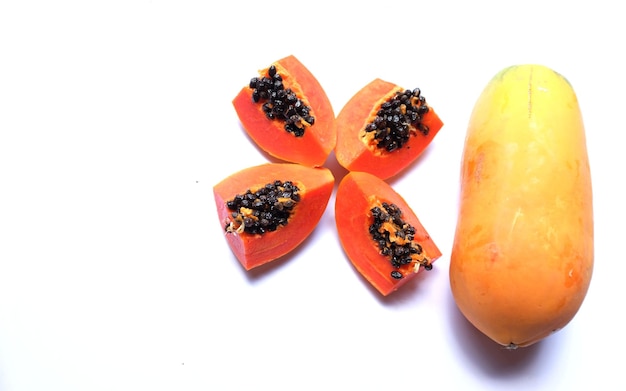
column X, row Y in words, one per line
column 116, row 121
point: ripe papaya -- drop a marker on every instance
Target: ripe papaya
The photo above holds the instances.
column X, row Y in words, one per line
column 380, row 234
column 266, row 211
column 523, row 251
column 287, row 113
column 383, row 128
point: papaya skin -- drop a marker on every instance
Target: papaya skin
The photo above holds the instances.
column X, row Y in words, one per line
column 318, row 141
column 356, row 194
column 354, row 155
column 253, row 250
column 523, row 252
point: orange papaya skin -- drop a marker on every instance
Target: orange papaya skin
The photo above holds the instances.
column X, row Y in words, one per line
column 354, row 198
column 354, row 155
column 522, row 258
column 314, row 147
column 316, row 186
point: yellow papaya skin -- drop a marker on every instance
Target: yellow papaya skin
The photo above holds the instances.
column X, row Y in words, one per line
column 523, row 251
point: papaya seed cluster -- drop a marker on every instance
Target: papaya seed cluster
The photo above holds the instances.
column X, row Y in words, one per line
column 280, row 103
column 263, row 210
column 398, row 119
column 394, row 238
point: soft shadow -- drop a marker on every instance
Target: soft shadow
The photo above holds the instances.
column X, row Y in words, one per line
column 264, row 271
column 406, row 294
column 337, row 169
column 262, row 152
column 408, row 170
column 486, row 355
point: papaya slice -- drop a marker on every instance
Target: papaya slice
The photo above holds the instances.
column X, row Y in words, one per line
column 380, row 233
column 266, row 211
column 383, row 128
column 287, row 113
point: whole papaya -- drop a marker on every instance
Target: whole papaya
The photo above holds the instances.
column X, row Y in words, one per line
column 523, row 251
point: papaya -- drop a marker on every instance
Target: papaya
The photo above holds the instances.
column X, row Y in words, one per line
column 286, row 112
column 380, row 234
column 523, row 250
column 268, row 210
column 383, row 128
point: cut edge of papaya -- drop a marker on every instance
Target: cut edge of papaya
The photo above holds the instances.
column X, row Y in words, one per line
column 318, row 140
column 356, row 194
column 252, row 250
column 352, row 152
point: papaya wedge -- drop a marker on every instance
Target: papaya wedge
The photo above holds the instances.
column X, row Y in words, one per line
column 383, row 128
column 287, row 113
column 380, row 234
column 268, row 210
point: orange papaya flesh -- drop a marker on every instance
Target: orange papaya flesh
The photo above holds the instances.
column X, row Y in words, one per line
column 380, row 234
column 266, row 211
column 390, row 146
column 287, row 113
